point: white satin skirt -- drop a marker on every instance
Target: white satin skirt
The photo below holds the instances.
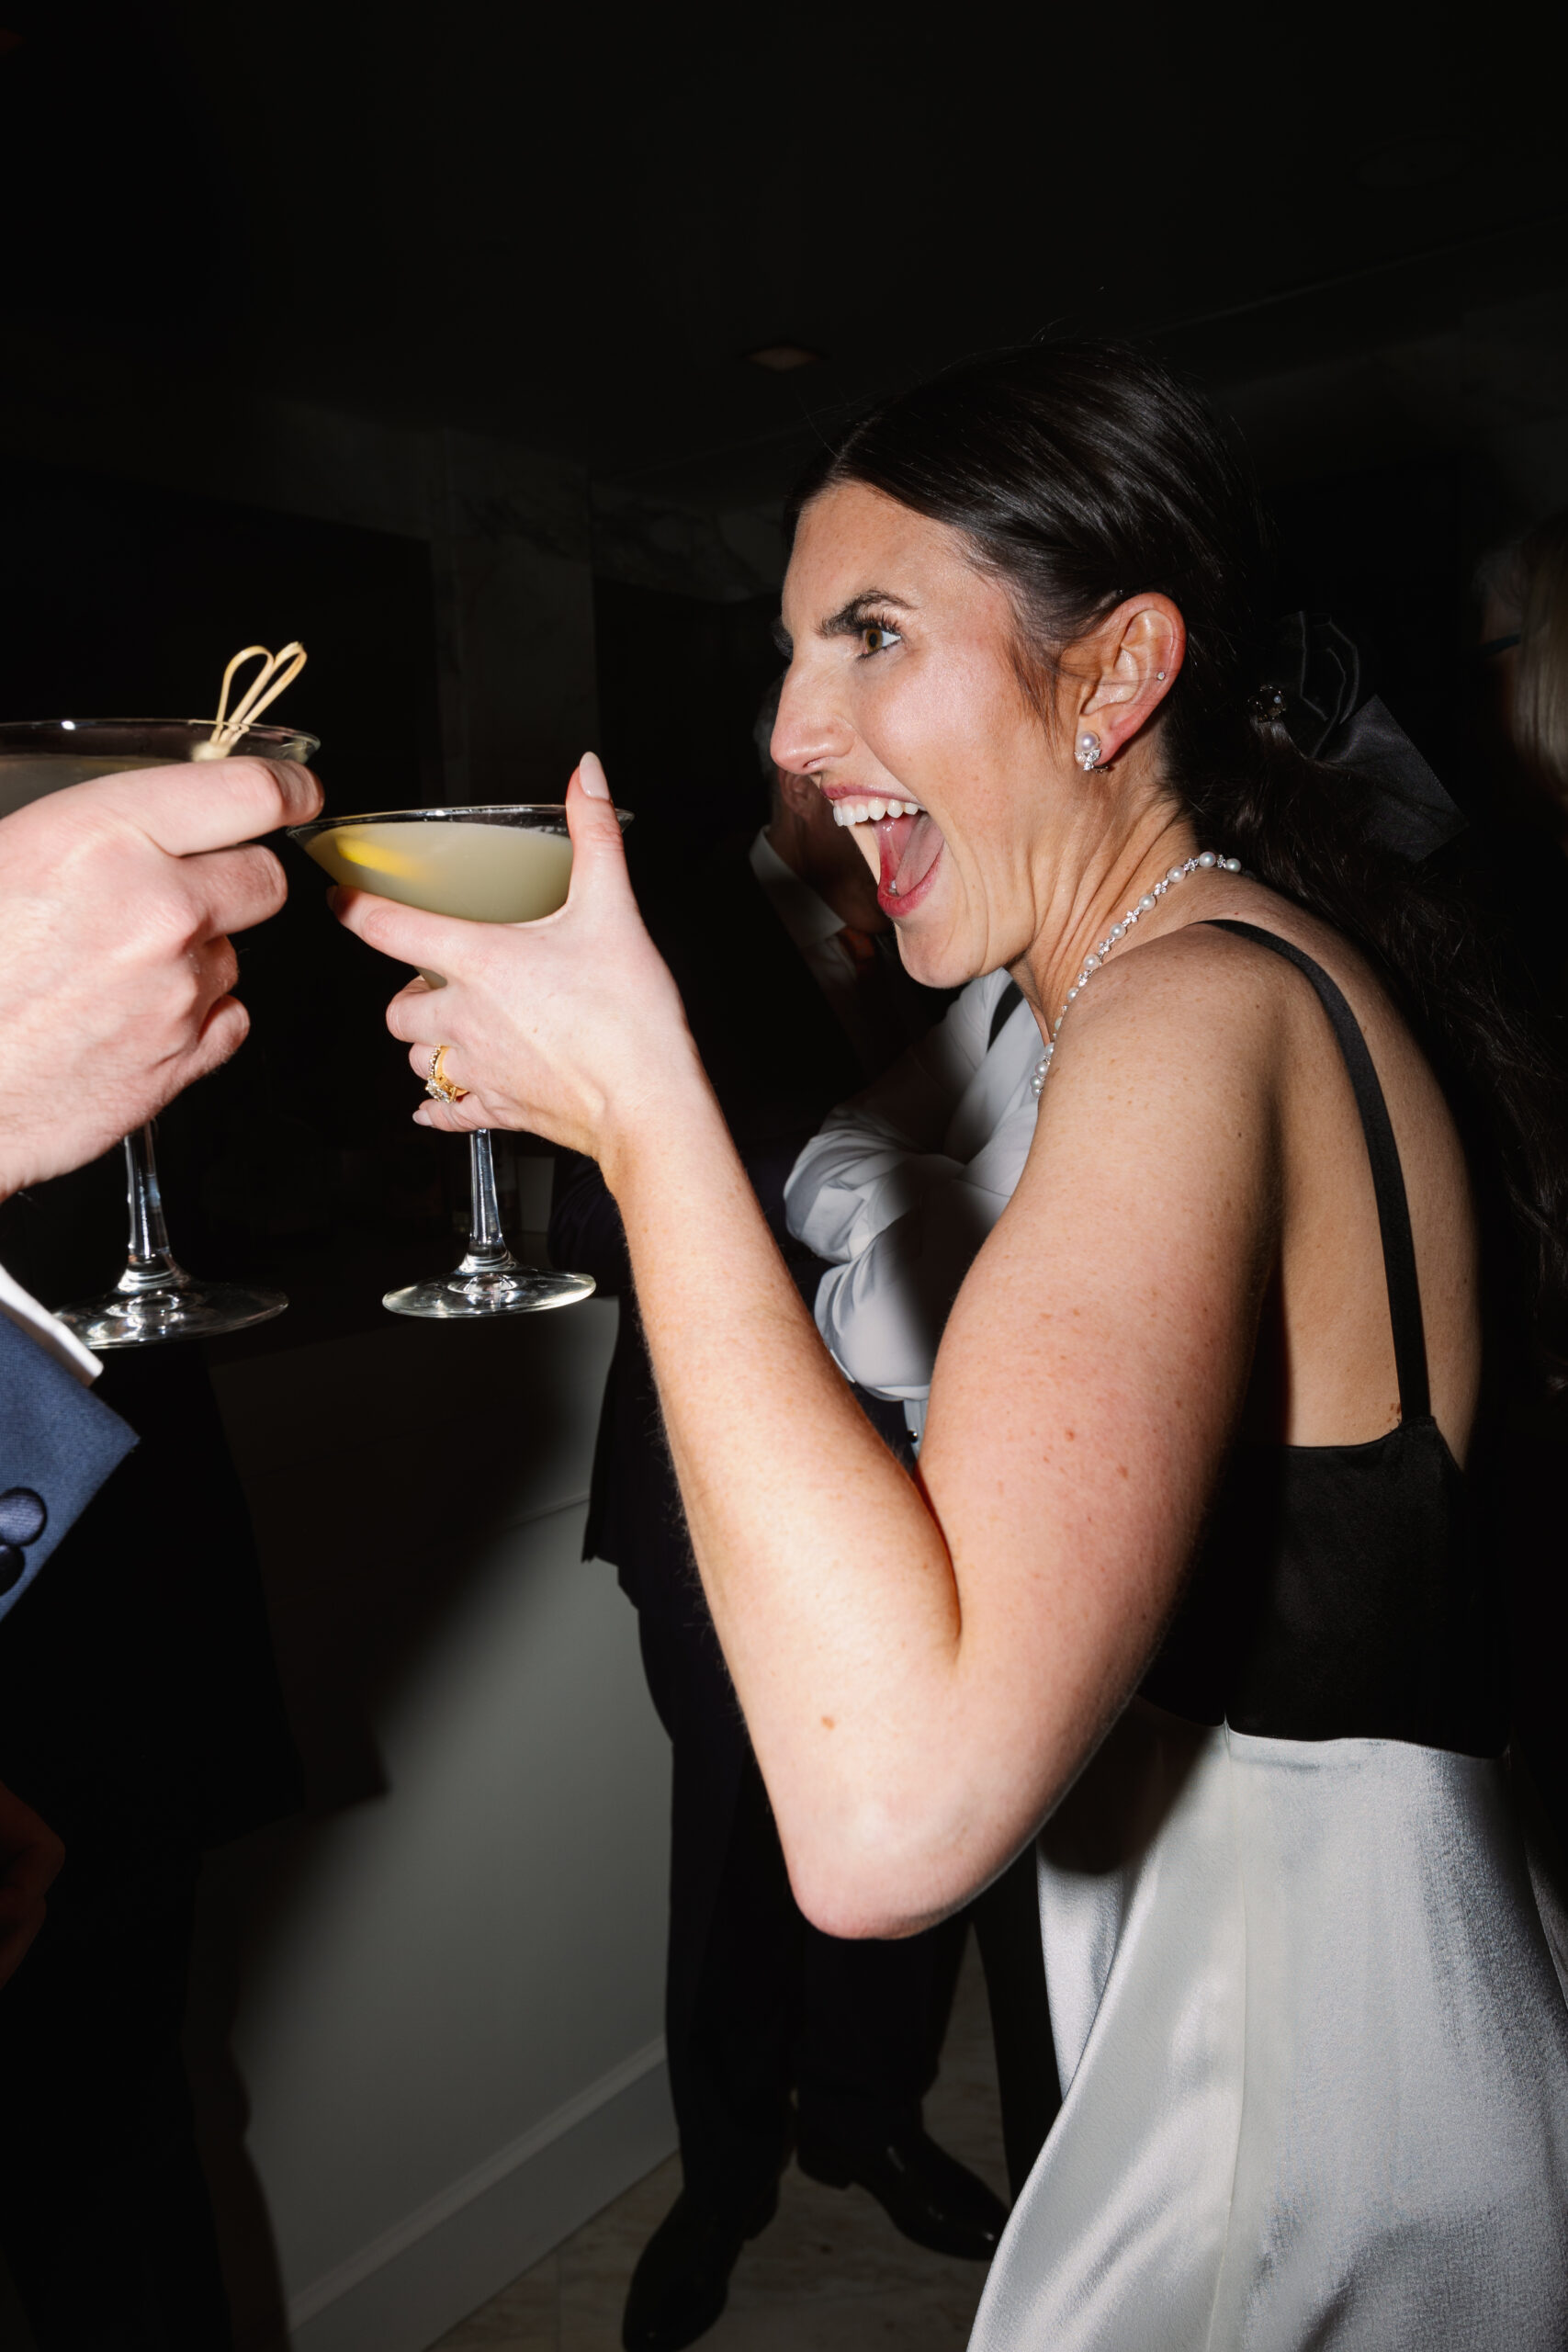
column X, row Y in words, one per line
column 1314, row 2052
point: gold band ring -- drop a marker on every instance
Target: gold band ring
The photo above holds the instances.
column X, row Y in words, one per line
column 437, row 1085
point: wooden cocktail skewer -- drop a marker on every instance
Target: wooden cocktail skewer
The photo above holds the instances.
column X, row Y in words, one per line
column 264, row 688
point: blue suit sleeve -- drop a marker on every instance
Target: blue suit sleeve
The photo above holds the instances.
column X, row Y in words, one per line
column 58, row 1444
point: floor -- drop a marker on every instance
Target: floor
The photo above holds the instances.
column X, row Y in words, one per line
column 830, row 2275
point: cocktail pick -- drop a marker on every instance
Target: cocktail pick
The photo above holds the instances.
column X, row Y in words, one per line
column 265, row 688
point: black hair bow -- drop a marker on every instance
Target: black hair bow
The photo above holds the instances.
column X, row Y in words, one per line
column 1314, row 684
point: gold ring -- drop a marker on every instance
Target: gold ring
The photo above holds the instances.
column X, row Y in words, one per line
column 439, row 1086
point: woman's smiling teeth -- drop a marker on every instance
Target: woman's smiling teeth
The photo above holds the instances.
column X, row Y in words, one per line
column 870, row 813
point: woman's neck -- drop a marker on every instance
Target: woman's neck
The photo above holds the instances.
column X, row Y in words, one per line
column 1092, row 894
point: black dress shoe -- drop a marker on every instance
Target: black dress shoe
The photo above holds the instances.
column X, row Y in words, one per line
column 682, row 2279
column 924, row 2191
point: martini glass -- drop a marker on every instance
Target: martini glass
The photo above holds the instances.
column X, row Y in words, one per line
column 488, row 865
column 154, row 1298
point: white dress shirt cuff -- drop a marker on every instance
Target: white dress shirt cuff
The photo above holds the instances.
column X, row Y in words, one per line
column 51, row 1333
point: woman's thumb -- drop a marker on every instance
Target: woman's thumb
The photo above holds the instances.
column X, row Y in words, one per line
column 591, row 816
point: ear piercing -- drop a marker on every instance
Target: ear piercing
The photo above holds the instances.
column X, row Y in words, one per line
column 1090, row 752
column 1159, row 673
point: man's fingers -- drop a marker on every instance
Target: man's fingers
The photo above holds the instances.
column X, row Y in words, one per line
column 236, row 888
column 215, row 967
column 212, row 804
column 223, row 1032
column 220, row 966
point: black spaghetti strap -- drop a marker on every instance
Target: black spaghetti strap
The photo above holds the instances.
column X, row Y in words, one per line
column 1388, row 1177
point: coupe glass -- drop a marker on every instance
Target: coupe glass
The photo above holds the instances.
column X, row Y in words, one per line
column 154, row 1298
column 509, row 863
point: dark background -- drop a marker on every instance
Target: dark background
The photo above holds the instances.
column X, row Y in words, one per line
column 570, row 236
column 429, row 335
column 118, row 600
column 572, row 231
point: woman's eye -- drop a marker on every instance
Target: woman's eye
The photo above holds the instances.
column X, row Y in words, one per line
column 876, row 637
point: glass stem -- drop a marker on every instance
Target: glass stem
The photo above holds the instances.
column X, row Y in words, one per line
column 487, row 1251
column 150, row 1262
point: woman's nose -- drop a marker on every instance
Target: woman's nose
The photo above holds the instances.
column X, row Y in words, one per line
column 808, row 733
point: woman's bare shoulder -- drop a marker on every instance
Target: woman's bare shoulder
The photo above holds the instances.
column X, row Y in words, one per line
column 1110, row 1318
column 1199, row 1008
column 1187, row 1064
column 1160, row 1122
column 1220, row 990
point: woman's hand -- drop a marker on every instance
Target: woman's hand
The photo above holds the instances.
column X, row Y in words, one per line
column 569, row 1027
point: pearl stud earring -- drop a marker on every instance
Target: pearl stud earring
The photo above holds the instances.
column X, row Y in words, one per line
column 1160, row 674
column 1088, row 751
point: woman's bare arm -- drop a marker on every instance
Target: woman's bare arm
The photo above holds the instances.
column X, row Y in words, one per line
column 923, row 1667
column 923, row 1671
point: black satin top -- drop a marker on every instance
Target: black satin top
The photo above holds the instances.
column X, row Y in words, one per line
column 1340, row 1591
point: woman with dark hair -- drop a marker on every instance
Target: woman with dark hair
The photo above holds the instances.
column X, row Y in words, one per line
column 1188, row 1585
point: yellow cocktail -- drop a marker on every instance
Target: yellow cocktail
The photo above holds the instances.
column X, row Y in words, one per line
column 490, row 864
column 488, row 872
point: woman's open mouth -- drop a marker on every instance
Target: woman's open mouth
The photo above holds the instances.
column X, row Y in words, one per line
column 909, row 845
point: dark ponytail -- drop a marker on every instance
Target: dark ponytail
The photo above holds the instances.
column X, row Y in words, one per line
column 1081, row 473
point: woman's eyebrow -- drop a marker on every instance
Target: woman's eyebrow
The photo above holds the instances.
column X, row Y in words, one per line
column 782, row 638
column 850, row 617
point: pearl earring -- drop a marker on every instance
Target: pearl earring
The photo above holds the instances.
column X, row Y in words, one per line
column 1088, row 751
column 1160, row 674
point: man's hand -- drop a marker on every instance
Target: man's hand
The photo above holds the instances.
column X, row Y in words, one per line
column 31, row 1856
column 116, row 899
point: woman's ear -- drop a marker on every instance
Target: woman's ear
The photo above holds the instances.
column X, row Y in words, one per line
column 1140, row 647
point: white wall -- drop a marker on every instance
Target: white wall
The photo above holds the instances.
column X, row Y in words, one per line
column 440, row 2001
column 425, row 2023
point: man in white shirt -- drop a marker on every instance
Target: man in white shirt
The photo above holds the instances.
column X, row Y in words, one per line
column 901, row 1185
column 897, row 1190
column 795, row 996
column 828, row 908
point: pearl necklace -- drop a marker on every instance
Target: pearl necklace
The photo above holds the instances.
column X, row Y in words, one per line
column 1206, row 861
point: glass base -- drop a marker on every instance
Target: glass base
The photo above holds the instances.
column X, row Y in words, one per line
column 511, row 1289
column 182, row 1310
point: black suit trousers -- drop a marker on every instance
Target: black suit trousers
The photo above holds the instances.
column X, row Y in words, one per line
column 759, row 2003
column 139, row 1714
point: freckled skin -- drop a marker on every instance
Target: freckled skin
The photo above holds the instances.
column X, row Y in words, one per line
column 941, row 717
column 1196, row 1205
